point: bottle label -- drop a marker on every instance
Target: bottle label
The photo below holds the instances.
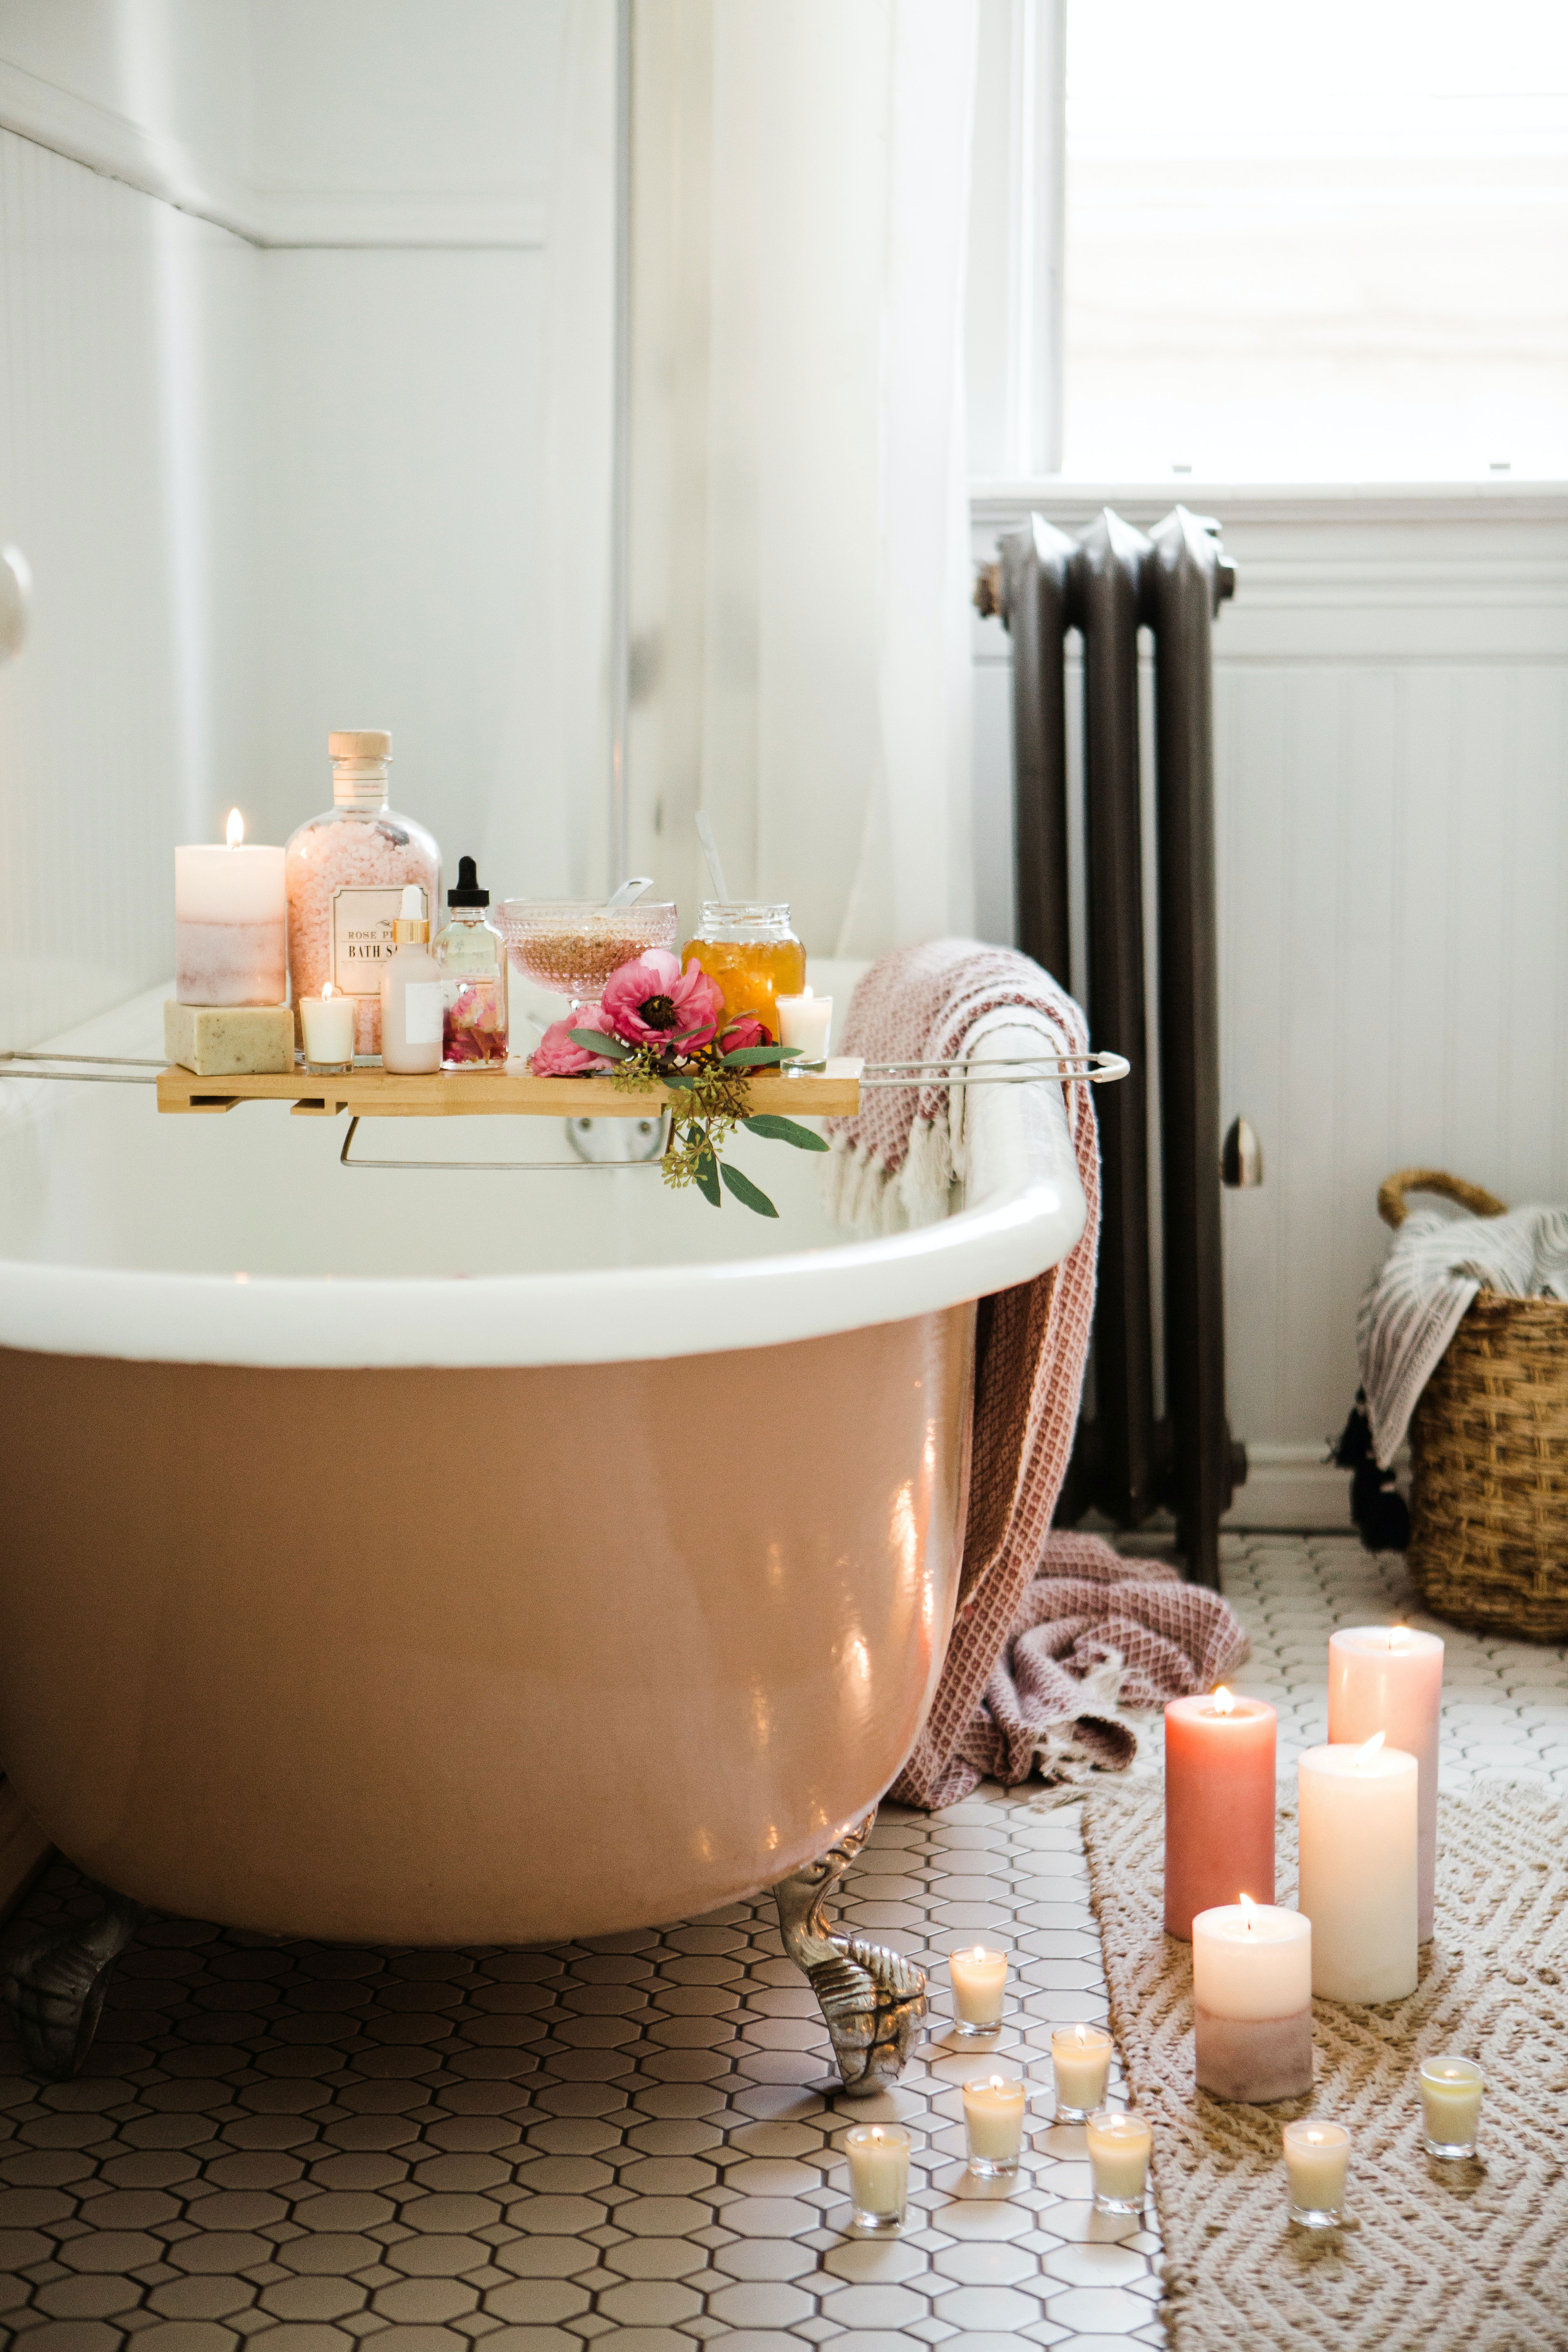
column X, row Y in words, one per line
column 424, row 1004
column 362, row 935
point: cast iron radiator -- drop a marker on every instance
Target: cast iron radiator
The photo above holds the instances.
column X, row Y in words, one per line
column 1108, row 583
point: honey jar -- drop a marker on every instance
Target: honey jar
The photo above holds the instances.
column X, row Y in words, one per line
column 748, row 948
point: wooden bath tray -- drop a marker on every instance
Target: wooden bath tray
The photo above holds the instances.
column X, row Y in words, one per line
column 835, row 1093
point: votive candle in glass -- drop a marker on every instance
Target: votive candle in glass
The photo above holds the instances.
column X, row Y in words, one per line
column 878, row 2157
column 327, row 1026
column 805, row 1021
column 993, row 2121
column 1451, row 2092
column 979, row 1983
column 1317, row 2159
column 1118, row 2146
column 1080, row 2061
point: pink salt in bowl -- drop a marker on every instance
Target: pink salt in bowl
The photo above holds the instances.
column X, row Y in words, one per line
column 572, row 945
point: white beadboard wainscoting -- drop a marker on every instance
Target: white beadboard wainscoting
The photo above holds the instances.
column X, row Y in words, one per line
column 1392, row 786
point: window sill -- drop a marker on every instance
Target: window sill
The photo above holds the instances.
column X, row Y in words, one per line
column 1499, row 498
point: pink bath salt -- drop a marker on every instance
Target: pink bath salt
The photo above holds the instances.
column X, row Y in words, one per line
column 345, row 874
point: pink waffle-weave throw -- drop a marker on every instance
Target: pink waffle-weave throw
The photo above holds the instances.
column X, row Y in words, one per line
column 1050, row 1630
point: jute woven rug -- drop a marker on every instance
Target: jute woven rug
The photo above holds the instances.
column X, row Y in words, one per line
column 1434, row 2256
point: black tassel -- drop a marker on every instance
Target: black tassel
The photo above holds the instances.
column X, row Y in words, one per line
column 1379, row 1510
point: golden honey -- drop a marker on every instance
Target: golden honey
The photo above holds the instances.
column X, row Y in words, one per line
column 749, row 949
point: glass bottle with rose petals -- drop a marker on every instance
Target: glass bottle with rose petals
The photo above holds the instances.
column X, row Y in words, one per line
column 472, row 956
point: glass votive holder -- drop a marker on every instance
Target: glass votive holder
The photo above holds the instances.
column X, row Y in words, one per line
column 327, row 1031
column 1081, row 2061
column 1119, row 2148
column 1317, row 2159
column 978, row 1987
column 1451, row 2092
column 993, row 2112
column 878, row 2157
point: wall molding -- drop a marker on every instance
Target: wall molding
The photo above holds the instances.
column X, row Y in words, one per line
column 118, row 148
column 1292, row 1487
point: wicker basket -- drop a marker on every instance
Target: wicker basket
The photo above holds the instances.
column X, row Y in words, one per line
column 1488, row 1454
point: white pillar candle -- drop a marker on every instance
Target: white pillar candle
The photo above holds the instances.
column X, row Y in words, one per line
column 1358, row 1869
column 231, row 944
column 878, row 2157
column 1451, row 2092
column 1317, row 2159
column 993, row 2121
column 1118, row 2146
column 979, row 1981
column 1252, row 2001
column 327, row 1025
column 1081, row 2061
column 1389, row 1678
column 805, row 1021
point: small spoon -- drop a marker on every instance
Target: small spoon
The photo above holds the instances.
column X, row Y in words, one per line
column 629, row 892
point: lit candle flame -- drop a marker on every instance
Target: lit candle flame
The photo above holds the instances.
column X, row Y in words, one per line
column 997, row 2083
column 877, row 2133
column 1396, row 1634
column 326, row 988
column 979, row 1952
column 1223, row 1703
column 807, row 991
column 1248, row 1911
column 1080, row 2036
column 1365, row 1755
column 235, row 832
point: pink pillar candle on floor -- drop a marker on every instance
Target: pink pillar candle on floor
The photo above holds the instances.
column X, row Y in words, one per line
column 1219, row 1805
column 230, row 922
column 1252, row 2003
column 1389, row 1678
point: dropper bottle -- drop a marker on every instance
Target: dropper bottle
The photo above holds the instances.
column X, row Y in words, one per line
column 471, row 953
column 413, row 994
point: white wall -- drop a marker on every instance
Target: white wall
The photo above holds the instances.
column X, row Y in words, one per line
column 1392, row 759
column 349, row 466
column 127, row 415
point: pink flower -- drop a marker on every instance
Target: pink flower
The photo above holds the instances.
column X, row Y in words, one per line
column 555, row 1057
column 747, row 1030
column 653, row 1002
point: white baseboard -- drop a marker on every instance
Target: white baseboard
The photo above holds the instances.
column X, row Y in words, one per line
column 1292, row 1487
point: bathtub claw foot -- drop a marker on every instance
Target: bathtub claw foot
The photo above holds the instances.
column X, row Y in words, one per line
column 54, row 1987
column 872, row 2000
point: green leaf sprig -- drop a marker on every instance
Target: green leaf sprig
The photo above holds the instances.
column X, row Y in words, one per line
column 711, row 1093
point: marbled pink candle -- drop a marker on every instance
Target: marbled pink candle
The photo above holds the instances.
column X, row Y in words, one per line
column 1389, row 1678
column 231, row 936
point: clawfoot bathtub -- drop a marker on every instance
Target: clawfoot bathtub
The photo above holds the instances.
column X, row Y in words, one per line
column 452, row 1557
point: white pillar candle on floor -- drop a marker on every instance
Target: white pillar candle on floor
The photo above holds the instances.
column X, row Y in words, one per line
column 993, row 2121
column 1081, row 2061
column 327, row 1026
column 1119, row 2146
column 1252, row 2001
column 805, row 1021
column 1317, row 2159
column 1358, row 1808
column 979, row 1982
column 878, row 2157
column 231, row 944
column 1389, row 1678
column 1451, row 2092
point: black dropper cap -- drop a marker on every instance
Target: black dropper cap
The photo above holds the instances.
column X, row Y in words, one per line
column 467, row 892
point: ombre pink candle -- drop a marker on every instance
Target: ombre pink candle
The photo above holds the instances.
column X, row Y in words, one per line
column 1219, row 1805
column 1389, row 1678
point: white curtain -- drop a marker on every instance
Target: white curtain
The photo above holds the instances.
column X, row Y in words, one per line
column 800, row 542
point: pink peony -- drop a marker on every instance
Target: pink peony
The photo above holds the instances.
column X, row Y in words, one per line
column 555, row 1057
column 747, row 1030
column 653, row 1002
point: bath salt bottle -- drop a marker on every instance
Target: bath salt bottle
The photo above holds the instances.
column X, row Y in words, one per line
column 472, row 956
column 346, row 872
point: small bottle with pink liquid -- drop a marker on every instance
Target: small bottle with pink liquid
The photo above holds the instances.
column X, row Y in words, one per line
column 346, row 872
column 472, row 956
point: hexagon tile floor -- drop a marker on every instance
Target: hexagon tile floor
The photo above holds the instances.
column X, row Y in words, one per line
column 625, row 2141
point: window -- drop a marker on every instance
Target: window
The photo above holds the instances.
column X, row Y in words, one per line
column 1315, row 242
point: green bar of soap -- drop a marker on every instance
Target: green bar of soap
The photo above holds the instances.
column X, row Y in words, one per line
column 230, row 1041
